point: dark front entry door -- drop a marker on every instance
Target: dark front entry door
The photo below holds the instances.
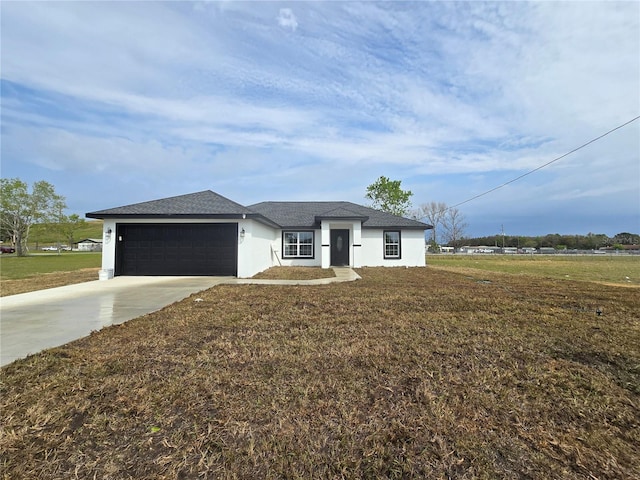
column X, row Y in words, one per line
column 339, row 248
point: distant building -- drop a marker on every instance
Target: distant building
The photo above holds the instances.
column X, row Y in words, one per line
column 90, row 245
column 471, row 250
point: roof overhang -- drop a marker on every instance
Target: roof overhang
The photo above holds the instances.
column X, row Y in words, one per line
column 397, row 227
column 186, row 216
column 353, row 218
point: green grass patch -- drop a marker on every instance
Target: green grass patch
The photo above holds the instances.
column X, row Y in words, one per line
column 623, row 269
column 46, row 234
column 12, row 267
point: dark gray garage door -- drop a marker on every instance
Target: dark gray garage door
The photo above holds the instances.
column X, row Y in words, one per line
column 177, row 249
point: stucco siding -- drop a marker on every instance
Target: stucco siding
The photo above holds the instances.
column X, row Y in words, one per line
column 255, row 249
column 412, row 246
column 109, row 245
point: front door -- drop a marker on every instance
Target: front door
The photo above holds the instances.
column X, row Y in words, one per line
column 339, row 248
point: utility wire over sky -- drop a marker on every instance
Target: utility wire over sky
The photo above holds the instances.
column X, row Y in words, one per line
column 546, row 164
column 260, row 101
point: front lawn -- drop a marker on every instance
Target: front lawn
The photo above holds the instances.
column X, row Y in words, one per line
column 40, row 271
column 13, row 267
column 407, row 373
column 614, row 269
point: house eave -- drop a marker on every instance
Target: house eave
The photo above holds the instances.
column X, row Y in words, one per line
column 185, row 216
column 364, row 227
column 396, row 227
column 163, row 215
column 361, row 218
column 300, row 227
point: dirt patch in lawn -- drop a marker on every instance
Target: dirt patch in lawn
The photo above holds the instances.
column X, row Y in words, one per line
column 47, row 280
column 295, row 273
column 407, row 373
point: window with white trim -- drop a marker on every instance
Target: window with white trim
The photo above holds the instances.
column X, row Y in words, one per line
column 392, row 244
column 297, row 244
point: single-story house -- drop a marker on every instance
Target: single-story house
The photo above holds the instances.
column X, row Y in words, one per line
column 207, row 234
column 89, row 245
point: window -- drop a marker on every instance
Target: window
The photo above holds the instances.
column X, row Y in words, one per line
column 297, row 244
column 391, row 244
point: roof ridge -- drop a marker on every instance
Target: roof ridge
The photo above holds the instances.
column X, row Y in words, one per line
column 340, row 208
column 205, row 202
column 303, row 201
column 226, row 198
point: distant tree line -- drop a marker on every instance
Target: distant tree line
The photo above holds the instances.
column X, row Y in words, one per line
column 591, row 241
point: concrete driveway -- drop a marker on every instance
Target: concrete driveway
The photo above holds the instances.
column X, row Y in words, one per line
column 31, row 322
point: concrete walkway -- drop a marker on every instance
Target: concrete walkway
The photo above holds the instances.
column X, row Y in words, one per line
column 31, row 322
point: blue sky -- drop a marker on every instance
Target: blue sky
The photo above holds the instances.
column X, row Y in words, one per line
column 121, row 102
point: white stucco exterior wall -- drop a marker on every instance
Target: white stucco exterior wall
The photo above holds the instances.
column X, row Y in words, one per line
column 255, row 249
column 108, row 249
column 325, row 239
column 412, row 252
column 356, row 249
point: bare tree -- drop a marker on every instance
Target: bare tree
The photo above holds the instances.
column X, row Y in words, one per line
column 454, row 226
column 433, row 213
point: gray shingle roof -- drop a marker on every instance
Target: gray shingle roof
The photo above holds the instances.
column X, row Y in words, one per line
column 341, row 212
column 208, row 204
column 308, row 214
column 202, row 204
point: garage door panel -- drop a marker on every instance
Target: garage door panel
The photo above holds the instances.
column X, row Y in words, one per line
column 177, row 249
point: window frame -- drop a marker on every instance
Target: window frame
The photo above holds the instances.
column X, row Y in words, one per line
column 386, row 244
column 298, row 244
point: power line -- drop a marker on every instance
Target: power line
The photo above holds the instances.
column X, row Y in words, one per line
column 546, row 164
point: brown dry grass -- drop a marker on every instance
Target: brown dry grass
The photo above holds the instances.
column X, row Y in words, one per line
column 407, row 373
column 59, row 279
column 295, row 273
column 47, row 280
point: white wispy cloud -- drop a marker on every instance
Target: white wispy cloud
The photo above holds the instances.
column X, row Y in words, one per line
column 287, row 19
column 260, row 93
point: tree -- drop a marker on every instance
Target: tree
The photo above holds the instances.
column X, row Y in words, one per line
column 626, row 238
column 20, row 209
column 433, row 213
column 454, row 226
column 386, row 195
column 68, row 226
